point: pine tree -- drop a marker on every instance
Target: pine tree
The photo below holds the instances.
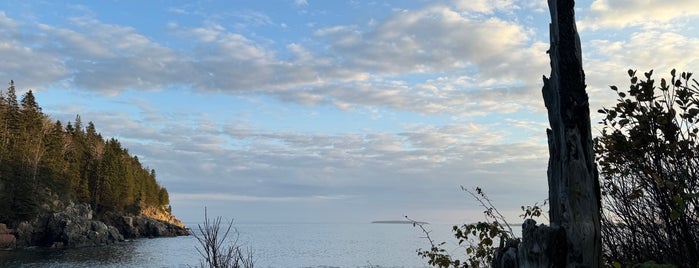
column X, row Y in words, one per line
column 74, row 161
column 33, row 126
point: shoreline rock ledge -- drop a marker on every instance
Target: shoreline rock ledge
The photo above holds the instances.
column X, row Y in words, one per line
column 7, row 240
column 78, row 226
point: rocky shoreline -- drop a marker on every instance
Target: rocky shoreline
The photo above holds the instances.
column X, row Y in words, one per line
column 78, row 226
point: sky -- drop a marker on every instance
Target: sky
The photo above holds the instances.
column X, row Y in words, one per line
column 330, row 111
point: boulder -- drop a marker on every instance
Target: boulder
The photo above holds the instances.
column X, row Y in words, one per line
column 7, row 241
column 74, row 227
column 29, row 233
column 143, row 226
column 4, row 229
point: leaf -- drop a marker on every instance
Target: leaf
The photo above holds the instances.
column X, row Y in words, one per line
column 623, row 122
column 674, row 215
column 693, row 112
column 632, row 73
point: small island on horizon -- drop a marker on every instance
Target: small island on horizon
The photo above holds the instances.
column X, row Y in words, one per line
column 400, row 222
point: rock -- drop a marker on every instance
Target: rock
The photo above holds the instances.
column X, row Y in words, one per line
column 114, row 234
column 4, row 229
column 74, row 227
column 156, row 228
column 143, row 226
column 147, row 227
column 57, row 245
column 29, row 233
column 7, row 241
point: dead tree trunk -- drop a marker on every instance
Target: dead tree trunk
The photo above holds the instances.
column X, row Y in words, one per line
column 572, row 175
column 573, row 239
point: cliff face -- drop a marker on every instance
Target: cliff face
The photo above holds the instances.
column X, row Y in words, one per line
column 151, row 224
column 77, row 226
column 162, row 214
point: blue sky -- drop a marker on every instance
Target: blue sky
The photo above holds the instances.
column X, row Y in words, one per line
column 329, row 111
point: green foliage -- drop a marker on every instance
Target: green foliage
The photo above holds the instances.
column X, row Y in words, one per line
column 652, row 264
column 533, row 211
column 75, row 162
column 648, row 156
column 480, row 241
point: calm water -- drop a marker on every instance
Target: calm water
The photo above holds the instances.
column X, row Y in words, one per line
column 273, row 245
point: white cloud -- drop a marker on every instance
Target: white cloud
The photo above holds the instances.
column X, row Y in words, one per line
column 485, row 6
column 28, row 66
column 248, row 198
column 643, row 51
column 357, row 69
column 110, row 58
column 648, row 14
column 301, row 2
column 427, row 40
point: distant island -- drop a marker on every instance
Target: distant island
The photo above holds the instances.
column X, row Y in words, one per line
column 400, row 222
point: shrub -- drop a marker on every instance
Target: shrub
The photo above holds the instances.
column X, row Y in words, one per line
column 216, row 251
column 648, row 157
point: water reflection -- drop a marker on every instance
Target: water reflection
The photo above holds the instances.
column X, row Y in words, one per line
column 136, row 253
column 81, row 257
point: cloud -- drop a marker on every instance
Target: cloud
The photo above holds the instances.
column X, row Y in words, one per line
column 608, row 60
column 301, row 2
column 110, row 58
column 485, row 6
column 17, row 57
column 360, row 67
column 193, row 155
column 427, row 40
column 434, row 60
column 628, row 13
column 248, row 198
column 357, row 67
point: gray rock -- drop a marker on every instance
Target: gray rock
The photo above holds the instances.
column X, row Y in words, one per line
column 142, row 226
column 75, row 227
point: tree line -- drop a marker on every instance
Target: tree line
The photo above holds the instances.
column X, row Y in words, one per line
column 41, row 158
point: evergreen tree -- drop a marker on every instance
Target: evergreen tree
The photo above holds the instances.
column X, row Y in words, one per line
column 33, row 127
column 39, row 156
column 54, row 166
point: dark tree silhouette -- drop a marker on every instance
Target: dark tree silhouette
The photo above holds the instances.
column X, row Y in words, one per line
column 648, row 154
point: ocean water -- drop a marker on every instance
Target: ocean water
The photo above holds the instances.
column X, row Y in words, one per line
column 272, row 245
